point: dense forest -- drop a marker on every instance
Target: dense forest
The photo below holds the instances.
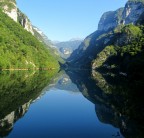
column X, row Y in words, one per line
column 128, row 55
column 20, row 49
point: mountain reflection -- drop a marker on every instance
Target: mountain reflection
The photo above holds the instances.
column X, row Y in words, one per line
column 64, row 83
column 17, row 91
column 117, row 101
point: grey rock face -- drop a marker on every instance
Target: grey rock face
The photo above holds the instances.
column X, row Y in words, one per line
column 25, row 22
column 13, row 12
column 10, row 11
column 110, row 20
column 132, row 12
column 127, row 15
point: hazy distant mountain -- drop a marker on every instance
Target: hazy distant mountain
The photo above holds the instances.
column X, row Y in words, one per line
column 67, row 47
column 47, row 42
column 64, row 83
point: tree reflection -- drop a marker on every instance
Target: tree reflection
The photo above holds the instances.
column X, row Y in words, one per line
column 117, row 101
column 18, row 90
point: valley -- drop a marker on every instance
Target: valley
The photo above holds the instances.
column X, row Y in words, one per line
column 72, row 87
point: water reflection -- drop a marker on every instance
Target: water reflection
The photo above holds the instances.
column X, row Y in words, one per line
column 17, row 91
column 7, row 123
column 64, row 83
column 117, row 101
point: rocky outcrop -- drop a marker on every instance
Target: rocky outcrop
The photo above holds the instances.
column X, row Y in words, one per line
column 132, row 11
column 129, row 14
column 10, row 8
column 25, row 22
column 110, row 20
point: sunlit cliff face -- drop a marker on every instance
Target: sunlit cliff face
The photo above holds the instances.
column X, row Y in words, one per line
column 10, row 8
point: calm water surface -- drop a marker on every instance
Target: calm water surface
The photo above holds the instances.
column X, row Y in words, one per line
column 61, row 114
column 36, row 105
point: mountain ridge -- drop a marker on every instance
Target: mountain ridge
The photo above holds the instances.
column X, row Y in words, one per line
column 117, row 44
column 19, row 48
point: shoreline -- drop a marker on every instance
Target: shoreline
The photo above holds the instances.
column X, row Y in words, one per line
column 19, row 69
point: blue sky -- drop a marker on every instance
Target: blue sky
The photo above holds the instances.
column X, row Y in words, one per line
column 65, row 19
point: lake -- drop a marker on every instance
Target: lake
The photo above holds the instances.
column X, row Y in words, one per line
column 68, row 104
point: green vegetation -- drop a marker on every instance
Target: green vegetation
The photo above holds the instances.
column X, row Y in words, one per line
column 9, row 3
column 115, row 29
column 127, row 58
column 19, row 87
column 19, row 49
column 102, row 56
column 131, row 31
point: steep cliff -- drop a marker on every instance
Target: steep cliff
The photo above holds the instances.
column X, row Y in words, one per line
column 110, row 20
column 119, row 31
column 129, row 14
column 20, row 49
column 133, row 10
column 10, row 8
column 24, row 22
